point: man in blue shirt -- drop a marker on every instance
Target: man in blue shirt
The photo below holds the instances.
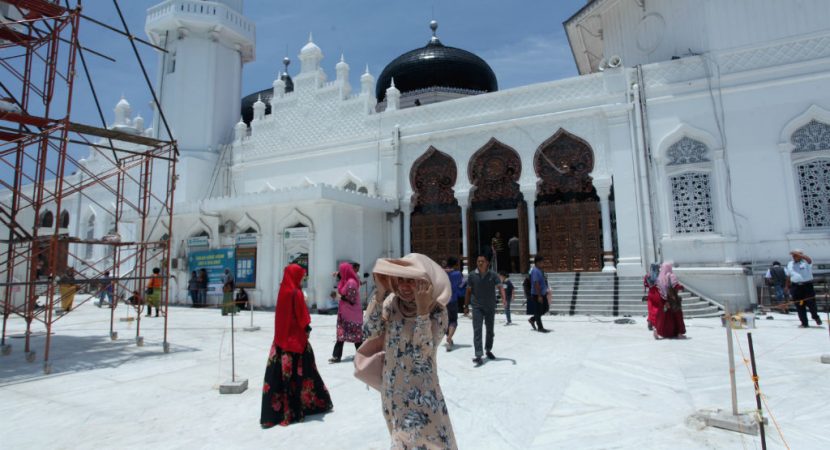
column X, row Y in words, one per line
column 800, row 285
column 537, row 304
column 481, row 285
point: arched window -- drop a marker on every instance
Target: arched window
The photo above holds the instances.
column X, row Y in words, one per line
column 47, row 219
column 689, row 169
column 65, row 219
column 90, row 235
column 811, row 161
column 350, row 186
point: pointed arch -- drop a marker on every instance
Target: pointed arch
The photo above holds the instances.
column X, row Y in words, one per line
column 64, row 222
column 814, row 113
column 563, row 163
column 687, row 137
column 494, row 171
column 293, row 218
column 350, row 182
column 246, row 222
column 199, row 228
column 432, row 178
column 46, row 219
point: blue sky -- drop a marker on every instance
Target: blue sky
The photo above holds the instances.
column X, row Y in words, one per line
column 523, row 41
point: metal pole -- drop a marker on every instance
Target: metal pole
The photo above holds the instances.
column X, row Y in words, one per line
column 757, row 392
column 233, row 354
column 728, row 316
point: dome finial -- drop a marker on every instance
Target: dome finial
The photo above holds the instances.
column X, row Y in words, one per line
column 310, row 39
column 433, row 25
column 285, row 62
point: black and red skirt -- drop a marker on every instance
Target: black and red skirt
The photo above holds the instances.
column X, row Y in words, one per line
column 292, row 389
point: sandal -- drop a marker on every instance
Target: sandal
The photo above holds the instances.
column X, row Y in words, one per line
column 334, row 360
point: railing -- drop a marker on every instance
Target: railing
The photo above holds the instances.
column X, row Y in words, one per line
column 229, row 17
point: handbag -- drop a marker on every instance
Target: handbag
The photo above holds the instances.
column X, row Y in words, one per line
column 673, row 299
column 368, row 361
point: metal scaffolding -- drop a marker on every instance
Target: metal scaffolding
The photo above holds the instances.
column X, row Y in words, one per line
column 38, row 50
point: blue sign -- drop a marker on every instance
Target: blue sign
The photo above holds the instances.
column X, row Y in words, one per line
column 214, row 262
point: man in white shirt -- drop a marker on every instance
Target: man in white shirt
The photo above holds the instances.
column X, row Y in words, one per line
column 800, row 285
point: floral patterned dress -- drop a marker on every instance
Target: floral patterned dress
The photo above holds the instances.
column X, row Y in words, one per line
column 293, row 388
column 413, row 405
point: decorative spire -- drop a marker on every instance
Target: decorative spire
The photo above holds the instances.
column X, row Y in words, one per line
column 433, row 25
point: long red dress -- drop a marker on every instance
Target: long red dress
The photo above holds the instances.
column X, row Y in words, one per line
column 654, row 301
column 669, row 321
column 293, row 388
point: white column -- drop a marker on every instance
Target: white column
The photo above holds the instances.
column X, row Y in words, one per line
column 529, row 194
column 407, row 227
column 463, row 201
column 603, row 187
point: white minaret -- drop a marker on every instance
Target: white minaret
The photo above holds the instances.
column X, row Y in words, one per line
column 342, row 70
column 199, row 81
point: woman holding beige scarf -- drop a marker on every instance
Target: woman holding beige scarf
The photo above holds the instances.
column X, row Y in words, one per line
column 403, row 326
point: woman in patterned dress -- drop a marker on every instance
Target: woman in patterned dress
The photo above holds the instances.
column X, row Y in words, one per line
column 349, row 312
column 293, row 388
column 408, row 312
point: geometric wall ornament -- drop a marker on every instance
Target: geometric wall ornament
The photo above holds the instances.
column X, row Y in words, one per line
column 686, row 151
column 813, row 136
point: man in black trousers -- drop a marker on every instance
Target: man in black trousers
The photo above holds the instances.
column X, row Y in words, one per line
column 481, row 285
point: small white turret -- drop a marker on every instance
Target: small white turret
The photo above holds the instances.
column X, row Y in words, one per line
column 123, row 112
column 342, row 70
column 310, row 57
column 240, row 130
column 259, row 108
column 367, row 91
column 138, row 123
column 393, row 97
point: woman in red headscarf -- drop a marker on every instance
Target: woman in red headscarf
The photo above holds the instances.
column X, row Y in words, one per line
column 293, row 388
column 349, row 312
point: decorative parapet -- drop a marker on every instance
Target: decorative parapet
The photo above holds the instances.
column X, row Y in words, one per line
column 321, row 117
column 728, row 62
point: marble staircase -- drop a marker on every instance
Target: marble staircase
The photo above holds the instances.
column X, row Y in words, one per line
column 604, row 294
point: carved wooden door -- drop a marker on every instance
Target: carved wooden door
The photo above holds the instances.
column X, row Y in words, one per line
column 524, row 250
column 570, row 236
column 437, row 235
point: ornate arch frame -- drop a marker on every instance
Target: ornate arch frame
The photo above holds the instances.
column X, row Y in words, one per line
column 564, row 165
column 444, row 194
column 503, row 185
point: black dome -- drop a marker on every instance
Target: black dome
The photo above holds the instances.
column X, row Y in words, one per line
column 437, row 65
column 266, row 94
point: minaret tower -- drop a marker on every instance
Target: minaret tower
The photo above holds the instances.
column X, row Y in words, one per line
column 199, row 81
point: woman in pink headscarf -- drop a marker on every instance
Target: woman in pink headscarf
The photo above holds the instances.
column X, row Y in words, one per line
column 669, row 321
column 349, row 312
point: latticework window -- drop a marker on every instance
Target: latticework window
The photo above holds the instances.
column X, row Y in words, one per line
column 814, row 181
column 811, row 137
column 692, row 203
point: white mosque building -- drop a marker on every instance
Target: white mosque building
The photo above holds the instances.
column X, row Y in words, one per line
column 698, row 131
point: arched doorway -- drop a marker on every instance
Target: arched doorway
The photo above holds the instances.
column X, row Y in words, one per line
column 435, row 229
column 497, row 210
column 568, row 216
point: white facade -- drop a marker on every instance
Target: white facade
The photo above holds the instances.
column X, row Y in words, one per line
column 718, row 161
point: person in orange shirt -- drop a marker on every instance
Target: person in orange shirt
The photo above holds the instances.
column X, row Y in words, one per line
column 154, row 292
